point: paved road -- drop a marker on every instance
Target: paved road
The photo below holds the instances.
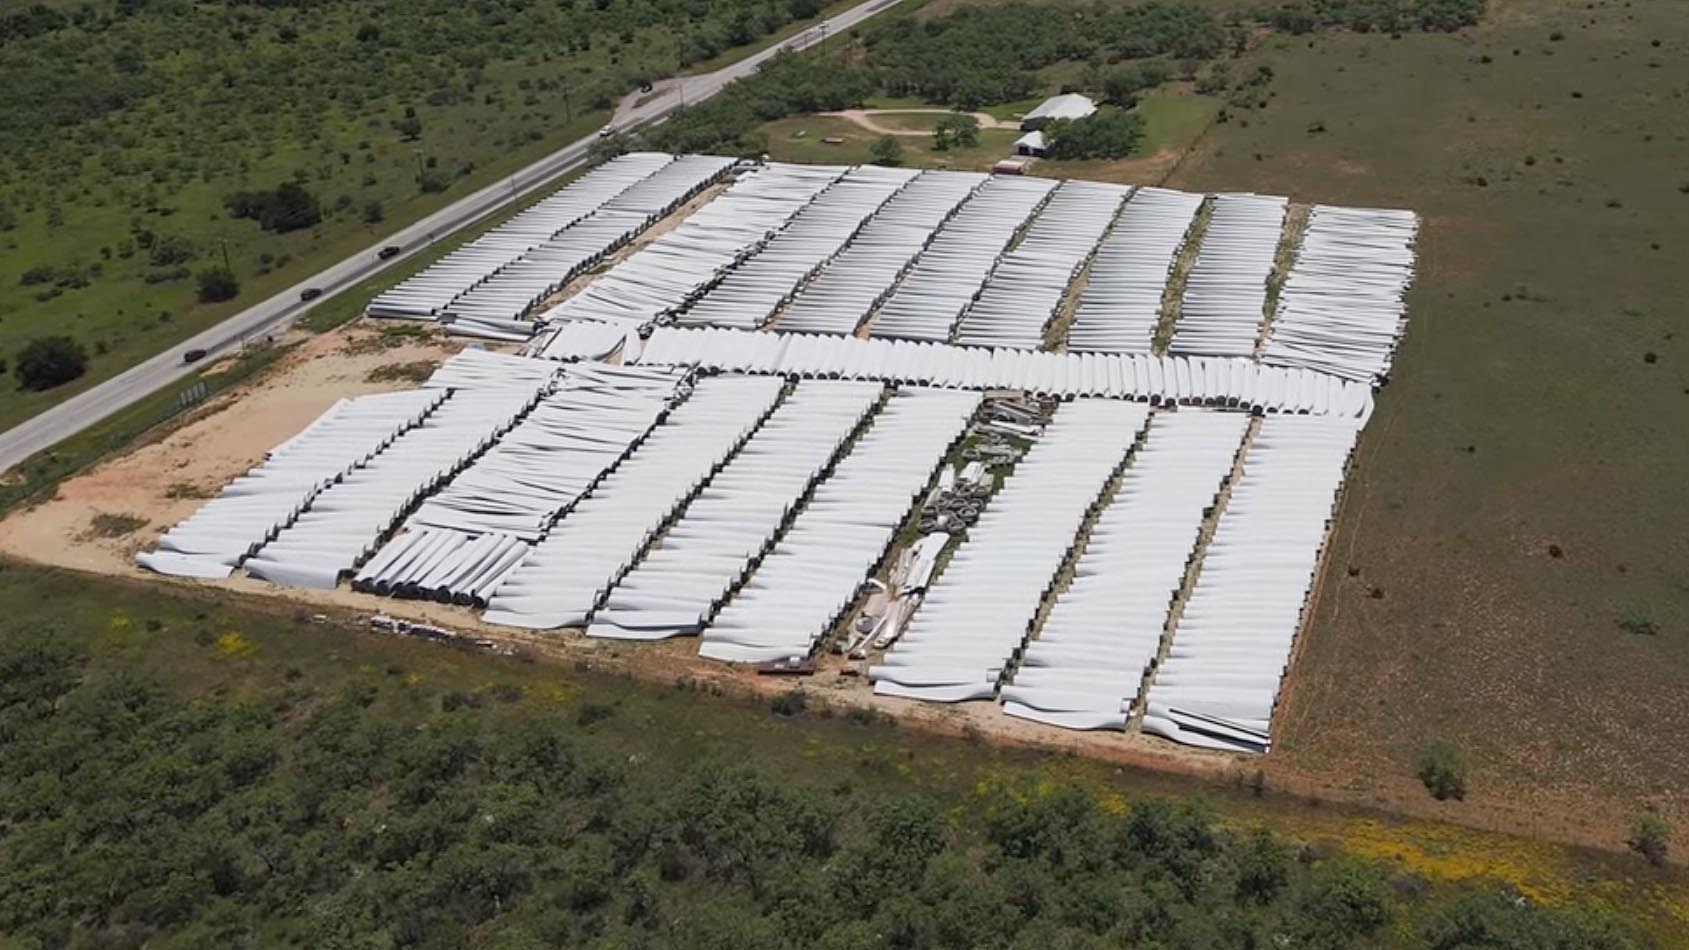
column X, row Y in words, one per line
column 277, row 313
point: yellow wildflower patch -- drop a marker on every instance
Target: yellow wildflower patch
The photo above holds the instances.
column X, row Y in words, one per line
column 1450, row 853
column 233, row 644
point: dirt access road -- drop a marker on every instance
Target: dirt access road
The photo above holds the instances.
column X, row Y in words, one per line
column 865, row 118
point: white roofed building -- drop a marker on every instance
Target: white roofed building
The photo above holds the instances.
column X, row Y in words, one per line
column 1069, row 105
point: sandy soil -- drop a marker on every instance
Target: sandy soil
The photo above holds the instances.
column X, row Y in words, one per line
column 165, row 479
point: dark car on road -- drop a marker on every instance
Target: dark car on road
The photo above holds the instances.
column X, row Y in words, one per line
column 193, row 355
column 391, row 250
column 309, row 294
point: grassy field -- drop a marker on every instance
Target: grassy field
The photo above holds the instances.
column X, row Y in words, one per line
column 1508, row 570
column 207, row 651
column 799, row 139
column 210, row 105
column 908, row 121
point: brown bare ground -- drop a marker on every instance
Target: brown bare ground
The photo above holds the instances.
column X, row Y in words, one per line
column 227, row 436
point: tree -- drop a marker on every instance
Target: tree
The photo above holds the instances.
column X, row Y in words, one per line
column 744, row 823
column 287, row 207
column 409, row 126
column 1107, row 133
column 1347, row 900
column 1442, row 767
column 607, row 147
column 956, row 130
column 1122, row 84
column 1498, row 920
column 50, row 361
column 217, row 284
column 373, row 212
column 886, row 151
column 1263, row 866
column 1651, row 839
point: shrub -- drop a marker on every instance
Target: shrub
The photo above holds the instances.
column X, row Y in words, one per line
column 1442, row 767
column 957, row 130
column 590, row 713
column 886, row 151
column 107, row 525
column 1637, row 622
column 50, row 361
column 1651, row 839
column 217, row 284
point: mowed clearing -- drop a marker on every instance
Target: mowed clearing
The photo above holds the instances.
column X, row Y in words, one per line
column 1511, row 568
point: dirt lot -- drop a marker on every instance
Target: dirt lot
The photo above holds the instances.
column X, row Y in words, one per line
column 165, row 480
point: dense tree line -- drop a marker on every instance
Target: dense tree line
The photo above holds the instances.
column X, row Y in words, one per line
column 1383, row 16
column 982, row 55
column 387, row 813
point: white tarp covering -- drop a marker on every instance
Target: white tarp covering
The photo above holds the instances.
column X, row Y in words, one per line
column 424, row 295
column 1225, row 298
column 1121, row 303
column 1235, row 633
column 1342, row 308
column 750, row 294
column 1084, row 669
column 733, row 522
column 1017, row 304
column 569, row 571
column 950, row 271
column 804, row 585
column 976, row 616
column 1237, row 383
